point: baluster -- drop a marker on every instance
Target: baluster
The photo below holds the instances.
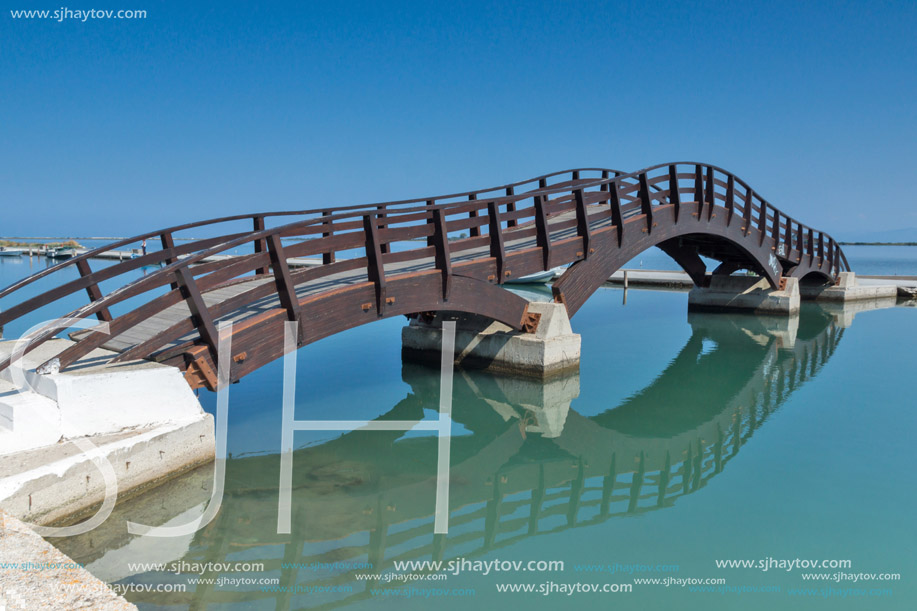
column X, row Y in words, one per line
column 543, row 236
column 582, row 222
column 474, row 231
column 510, row 206
column 200, row 315
column 674, row 195
column 375, row 271
column 646, row 204
column 327, row 257
column 443, row 258
column 699, row 189
column 260, row 245
column 383, row 246
column 286, row 291
column 497, row 249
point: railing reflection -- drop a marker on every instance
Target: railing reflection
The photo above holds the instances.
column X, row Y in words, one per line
column 524, row 463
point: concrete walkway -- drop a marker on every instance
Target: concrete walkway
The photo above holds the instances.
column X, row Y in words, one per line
column 36, row 575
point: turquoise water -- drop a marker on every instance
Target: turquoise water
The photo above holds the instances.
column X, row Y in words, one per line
column 684, row 439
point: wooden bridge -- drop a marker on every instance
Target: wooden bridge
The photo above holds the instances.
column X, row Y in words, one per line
column 416, row 256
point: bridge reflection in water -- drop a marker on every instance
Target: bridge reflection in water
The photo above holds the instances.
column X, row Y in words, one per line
column 525, row 463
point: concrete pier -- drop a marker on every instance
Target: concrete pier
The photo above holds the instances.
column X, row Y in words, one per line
column 746, row 293
column 481, row 343
column 848, row 288
column 141, row 417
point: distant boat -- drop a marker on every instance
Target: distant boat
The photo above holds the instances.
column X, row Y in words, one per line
column 10, row 252
column 61, row 253
column 537, row 277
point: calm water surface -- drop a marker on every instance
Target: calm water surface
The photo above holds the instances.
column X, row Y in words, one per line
column 683, row 440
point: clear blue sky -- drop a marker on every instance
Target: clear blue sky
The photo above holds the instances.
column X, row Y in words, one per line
column 114, row 127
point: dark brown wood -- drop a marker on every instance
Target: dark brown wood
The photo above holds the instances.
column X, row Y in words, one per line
column 749, row 210
column 474, row 230
column 286, row 291
column 510, row 206
column 674, row 195
column 442, row 258
column 730, row 198
column 762, row 222
column 543, row 235
column 497, row 248
column 582, row 221
column 711, row 192
column 93, row 290
column 260, row 245
column 383, row 246
column 168, row 245
column 327, row 257
column 699, row 189
column 617, row 218
column 646, row 204
column 374, row 267
column 200, row 316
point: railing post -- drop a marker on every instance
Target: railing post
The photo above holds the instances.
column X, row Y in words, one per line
column 830, row 255
column 762, row 222
column 327, row 257
column 260, row 245
column 168, row 244
column 788, row 236
column 617, row 219
column 374, row 268
column 604, row 186
column 582, row 221
column 200, row 315
column 646, row 205
column 286, row 291
column 800, row 242
column 474, row 231
column 699, row 190
column 383, row 247
column 93, row 290
column 441, row 243
column 711, row 193
column 775, row 230
column 821, row 249
column 543, row 236
column 497, row 250
column 674, row 195
column 811, row 245
column 510, row 206
column 749, row 209
column 430, row 204
column 730, row 199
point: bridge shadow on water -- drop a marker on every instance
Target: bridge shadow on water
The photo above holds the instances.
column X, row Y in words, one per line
column 524, row 463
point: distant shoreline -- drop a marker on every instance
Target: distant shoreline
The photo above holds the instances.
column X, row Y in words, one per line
column 878, row 243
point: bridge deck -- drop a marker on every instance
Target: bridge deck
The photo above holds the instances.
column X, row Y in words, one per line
column 157, row 323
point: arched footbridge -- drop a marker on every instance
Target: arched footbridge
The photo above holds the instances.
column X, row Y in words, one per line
column 410, row 257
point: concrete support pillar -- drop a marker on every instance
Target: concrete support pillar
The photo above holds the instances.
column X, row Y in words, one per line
column 746, row 294
column 481, row 343
column 848, row 288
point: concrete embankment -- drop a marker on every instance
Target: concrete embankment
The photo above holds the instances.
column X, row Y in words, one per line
column 69, row 439
column 36, row 575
